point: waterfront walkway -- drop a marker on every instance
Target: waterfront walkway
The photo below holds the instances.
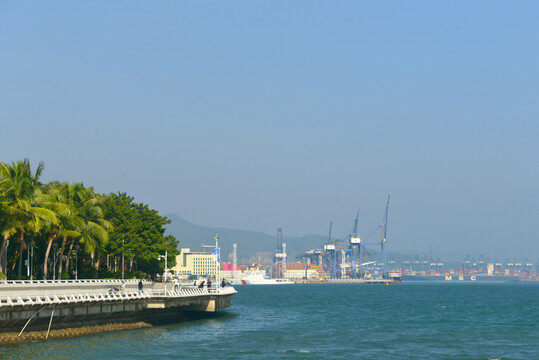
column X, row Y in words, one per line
column 52, row 292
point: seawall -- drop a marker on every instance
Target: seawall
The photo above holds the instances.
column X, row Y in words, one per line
column 58, row 305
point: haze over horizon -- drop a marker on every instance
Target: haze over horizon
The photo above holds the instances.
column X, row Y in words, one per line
column 259, row 115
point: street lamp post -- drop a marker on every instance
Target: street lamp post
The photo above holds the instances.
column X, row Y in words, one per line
column 54, row 246
column 5, row 275
column 77, row 262
column 123, row 259
column 32, row 244
column 217, row 256
column 165, row 274
column 28, row 262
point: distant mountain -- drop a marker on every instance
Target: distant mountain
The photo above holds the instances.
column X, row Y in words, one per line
column 249, row 242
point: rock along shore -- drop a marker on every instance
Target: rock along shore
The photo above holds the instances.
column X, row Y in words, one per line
column 13, row 337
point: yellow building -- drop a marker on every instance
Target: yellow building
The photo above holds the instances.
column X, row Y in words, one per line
column 194, row 263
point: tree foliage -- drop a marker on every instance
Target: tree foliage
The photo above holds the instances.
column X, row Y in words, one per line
column 138, row 232
column 75, row 231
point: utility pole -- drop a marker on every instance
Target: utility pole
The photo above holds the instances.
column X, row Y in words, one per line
column 54, row 246
column 217, row 263
column 5, row 269
column 234, row 259
column 165, row 273
column 27, row 262
column 77, row 262
column 32, row 244
column 123, row 259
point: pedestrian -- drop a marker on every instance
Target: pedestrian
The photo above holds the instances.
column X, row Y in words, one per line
column 223, row 283
column 209, row 284
column 122, row 287
column 140, row 286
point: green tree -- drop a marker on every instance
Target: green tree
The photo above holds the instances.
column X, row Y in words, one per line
column 20, row 190
column 84, row 223
column 7, row 229
column 139, row 234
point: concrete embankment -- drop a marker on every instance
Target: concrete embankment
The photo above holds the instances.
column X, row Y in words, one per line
column 93, row 306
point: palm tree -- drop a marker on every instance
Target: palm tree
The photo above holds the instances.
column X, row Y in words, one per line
column 57, row 203
column 7, row 229
column 73, row 196
column 20, row 189
column 83, row 221
column 95, row 232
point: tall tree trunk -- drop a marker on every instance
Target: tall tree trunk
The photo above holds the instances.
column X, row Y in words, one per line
column 22, row 247
column 3, row 249
column 68, row 256
column 61, row 257
column 45, row 262
column 96, row 266
column 131, row 264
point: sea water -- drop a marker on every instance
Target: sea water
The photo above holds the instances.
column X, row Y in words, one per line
column 325, row 321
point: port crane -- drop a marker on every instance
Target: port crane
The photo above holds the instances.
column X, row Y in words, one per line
column 355, row 251
column 383, row 232
column 337, row 257
column 331, row 250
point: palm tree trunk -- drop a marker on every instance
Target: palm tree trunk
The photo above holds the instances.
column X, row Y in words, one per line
column 61, row 257
column 51, row 239
column 3, row 249
column 69, row 252
column 22, row 247
column 96, row 266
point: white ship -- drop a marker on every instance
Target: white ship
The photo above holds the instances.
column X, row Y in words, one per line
column 258, row 278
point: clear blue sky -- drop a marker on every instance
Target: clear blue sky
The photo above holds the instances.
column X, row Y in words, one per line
column 258, row 115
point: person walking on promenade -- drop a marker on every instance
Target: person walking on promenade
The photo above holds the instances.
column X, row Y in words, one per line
column 122, row 287
column 140, row 286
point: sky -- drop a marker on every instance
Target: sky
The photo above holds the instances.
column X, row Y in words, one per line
column 292, row 114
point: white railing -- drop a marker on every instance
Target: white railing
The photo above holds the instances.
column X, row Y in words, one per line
column 183, row 292
column 71, row 298
column 111, row 295
column 82, row 281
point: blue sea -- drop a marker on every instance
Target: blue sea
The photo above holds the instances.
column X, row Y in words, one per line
column 345, row 321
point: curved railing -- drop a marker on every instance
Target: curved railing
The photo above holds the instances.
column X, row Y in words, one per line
column 71, row 281
column 111, row 295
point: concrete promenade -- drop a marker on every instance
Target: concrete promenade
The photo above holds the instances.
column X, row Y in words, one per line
column 41, row 305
